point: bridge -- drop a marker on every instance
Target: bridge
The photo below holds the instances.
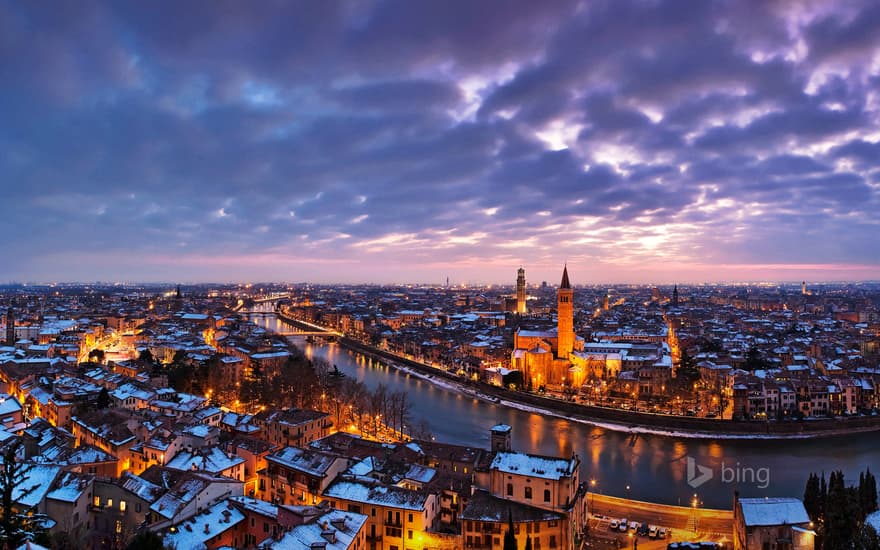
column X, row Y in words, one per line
column 272, row 298
column 308, row 333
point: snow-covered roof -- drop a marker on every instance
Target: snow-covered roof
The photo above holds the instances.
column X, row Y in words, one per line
column 374, row 493
column 773, row 511
column 874, row 521
column 335, row 530
column 310, row 462
column 193, row 533
column 37, row 481
column 256, row 505
column 533, row 465
column 210, row 459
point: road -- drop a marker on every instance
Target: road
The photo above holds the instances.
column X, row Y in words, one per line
column 682, row 523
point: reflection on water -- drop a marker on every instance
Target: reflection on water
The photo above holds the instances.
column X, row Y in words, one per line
column 653, row 467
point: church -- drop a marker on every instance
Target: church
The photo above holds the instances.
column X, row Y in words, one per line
column 548, row 357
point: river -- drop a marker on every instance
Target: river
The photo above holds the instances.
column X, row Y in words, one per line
column 644, row 467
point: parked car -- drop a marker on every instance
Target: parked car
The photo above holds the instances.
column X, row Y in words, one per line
column 634, row 526
column 662, row 533
column 623, row 525
column 643, row 530
column 652, row 532
column 614, row 524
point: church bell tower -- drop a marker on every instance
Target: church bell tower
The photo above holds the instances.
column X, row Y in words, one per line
column 565, row 316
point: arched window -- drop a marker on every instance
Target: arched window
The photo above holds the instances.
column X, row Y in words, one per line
column 546, row 495
column 510, row 489
column 528, row 492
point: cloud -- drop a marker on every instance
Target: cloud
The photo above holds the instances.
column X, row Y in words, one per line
column 380, row 134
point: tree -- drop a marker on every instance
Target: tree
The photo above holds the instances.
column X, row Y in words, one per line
column 103, row 399
column 145, row 356
column 15, row 527
column 97, row 355
column 811, row 497
column 528, row 543
column 687, row 368
column 509, row 537
column 754, row 361
column 145, row 540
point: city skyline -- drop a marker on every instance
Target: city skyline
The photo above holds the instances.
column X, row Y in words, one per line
column 646, row 143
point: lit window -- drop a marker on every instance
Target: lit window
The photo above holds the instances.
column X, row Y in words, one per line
column 97, row 501
column 109, row 503
column 121, row 505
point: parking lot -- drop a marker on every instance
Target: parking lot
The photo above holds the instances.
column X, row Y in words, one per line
column 681, row 524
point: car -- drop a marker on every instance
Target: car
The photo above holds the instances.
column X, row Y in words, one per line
column 643, row 530
column 662, row 533
column 634, row 526
column 623, row 525
column 614, row 524
column 652, row 532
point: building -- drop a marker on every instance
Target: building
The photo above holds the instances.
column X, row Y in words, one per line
column 545, row 356
column 778, row 523
column 521, row 291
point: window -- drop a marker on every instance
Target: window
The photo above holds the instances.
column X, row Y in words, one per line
column 510, row 489
column 109, row 503
column 121, row 505
column 118, row 526
column 552, row 541
column 97, row 501
column 373, row 512
column 265, row 527
column 528, row 493
column 409, row 534
column 410, row 518
column 546, row 495
column 137, row 507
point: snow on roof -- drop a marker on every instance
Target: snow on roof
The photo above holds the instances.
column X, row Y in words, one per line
column 363, row 468
column 196, row 531
column 8, row 405
column 256, row 505
column 374, row 493
column 70, row 487
column 210, row 459
column 533, row 465
column 335, row 530
column 773, row 511
column 311, row 462
column 420, row 474
column 140, row 487
column 874, row 521
column 38, row 478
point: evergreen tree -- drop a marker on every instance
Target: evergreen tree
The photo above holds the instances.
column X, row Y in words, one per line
column 103, row 399
column 868, row 492
column 145, row 540
column 15, row 527
column 811, row 497
column 528, row 543
column 509, row 537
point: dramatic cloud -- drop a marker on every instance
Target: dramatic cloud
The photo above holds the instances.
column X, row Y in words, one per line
column 648, row 141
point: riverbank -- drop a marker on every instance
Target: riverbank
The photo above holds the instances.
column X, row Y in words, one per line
column 608, row 418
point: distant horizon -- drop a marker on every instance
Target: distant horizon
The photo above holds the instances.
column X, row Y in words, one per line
column 452, row 285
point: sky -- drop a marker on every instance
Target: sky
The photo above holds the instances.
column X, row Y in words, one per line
column 400, row 141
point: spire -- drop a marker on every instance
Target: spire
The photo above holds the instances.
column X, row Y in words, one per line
column 565, row 283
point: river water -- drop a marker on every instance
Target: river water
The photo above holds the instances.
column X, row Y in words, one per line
column 644, row 467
